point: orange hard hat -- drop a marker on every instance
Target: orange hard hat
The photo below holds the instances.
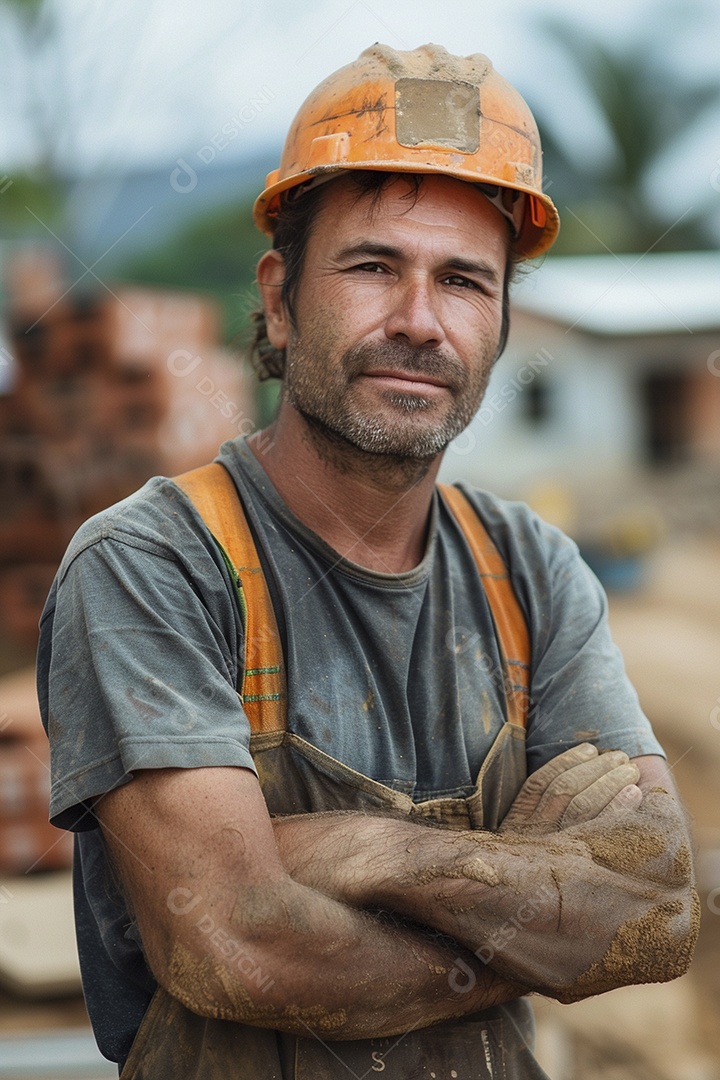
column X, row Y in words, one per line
column 424, row 111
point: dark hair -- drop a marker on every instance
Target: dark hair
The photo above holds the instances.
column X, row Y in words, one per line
column 295, row 219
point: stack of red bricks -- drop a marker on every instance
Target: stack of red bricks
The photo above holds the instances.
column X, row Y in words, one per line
column 110, row 388
column 28, row 841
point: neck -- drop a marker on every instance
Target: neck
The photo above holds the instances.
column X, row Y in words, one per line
column 372, row 509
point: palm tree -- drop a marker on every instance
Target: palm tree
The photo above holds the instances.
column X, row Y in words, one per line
column 646, row 105
column 33, row 185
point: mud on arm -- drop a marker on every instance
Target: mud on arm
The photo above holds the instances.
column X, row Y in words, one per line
column 232, row 936
column 587, row 887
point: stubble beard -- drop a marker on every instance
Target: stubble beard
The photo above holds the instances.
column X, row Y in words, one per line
column 400, row 436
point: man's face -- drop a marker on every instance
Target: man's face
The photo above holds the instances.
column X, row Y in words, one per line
column 398, row 315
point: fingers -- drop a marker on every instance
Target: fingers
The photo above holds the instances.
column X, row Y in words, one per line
column 539, row 782
column 574, row 787
column 589, row 784
column 628, row 799
column 615, row 789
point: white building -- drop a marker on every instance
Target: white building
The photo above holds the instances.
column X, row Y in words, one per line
column 612, row 365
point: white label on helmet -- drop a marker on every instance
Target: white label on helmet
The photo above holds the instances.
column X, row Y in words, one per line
column 431, row 112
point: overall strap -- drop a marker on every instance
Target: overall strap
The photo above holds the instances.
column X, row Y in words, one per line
column 507, row 614
column 263, row 692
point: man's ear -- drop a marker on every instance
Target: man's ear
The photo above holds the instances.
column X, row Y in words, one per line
column 270, row 278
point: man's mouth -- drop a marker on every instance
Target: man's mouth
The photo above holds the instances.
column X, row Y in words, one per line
column 406, row 381
column 403, row 370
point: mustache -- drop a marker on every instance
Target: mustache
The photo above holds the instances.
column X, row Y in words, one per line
column 400, row 357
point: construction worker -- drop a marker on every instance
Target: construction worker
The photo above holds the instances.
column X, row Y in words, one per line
column 327, row 732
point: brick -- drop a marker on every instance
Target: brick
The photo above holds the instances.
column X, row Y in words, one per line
column 34, row 341
column 8, row 410
column 21, row 487
column 24, row 780
column 48, row 489
column 34, row 280
column 60, row 406
column 19, row 710
column 62, row 347
column 37, row 538
column 33, row 844
column 23, row 591
column 135, row 399
column 42, row 480
column 126, row 474
column 212, row 403
column 111, row 391
column 69, row 339
column 146, row 323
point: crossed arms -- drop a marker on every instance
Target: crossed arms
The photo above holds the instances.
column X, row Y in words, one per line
column 352, row 925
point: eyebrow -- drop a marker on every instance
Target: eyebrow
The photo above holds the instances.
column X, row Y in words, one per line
column 387, row 251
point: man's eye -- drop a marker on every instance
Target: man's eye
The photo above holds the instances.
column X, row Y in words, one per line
column 370, row 268
column 461, row 282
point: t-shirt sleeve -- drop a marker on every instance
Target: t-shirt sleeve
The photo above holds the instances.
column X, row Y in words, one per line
column 579, row 690
column 137, row 669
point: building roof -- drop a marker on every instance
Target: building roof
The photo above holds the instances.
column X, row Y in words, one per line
column 674, row 292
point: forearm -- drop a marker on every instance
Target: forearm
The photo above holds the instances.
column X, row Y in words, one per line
column 324, row 968
column 557, row 913
column 463, row 885
column 584, row 911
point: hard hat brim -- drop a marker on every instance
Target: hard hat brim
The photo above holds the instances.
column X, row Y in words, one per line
column 537, row 233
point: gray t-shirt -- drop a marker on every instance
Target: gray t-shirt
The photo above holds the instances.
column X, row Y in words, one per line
column 395, row 675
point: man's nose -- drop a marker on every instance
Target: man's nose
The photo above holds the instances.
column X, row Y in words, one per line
column 413, row 316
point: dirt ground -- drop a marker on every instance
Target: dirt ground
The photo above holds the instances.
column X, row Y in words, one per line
column 669, row 633
column 660, row 1032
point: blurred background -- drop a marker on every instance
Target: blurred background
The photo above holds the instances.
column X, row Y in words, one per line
column 134, row 137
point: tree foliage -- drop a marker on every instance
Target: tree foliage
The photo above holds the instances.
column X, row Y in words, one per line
column 646, row 104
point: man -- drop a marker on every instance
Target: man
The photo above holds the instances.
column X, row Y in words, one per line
column 258, row 890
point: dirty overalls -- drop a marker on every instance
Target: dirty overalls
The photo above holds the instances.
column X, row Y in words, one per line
column 296, row 777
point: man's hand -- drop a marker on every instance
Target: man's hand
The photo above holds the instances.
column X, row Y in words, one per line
column 591, row 889
column 572, row 788
column 198, row 858
column 568, row 910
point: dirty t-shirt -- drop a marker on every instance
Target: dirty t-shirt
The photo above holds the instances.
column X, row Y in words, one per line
column 395, row 675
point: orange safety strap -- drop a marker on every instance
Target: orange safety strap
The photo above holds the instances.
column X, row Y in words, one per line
column 264, row 693
column 507, row 614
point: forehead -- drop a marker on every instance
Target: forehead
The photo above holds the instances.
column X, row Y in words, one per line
column 440, row 213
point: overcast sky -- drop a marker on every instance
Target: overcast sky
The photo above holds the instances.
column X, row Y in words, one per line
column 141, row 81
